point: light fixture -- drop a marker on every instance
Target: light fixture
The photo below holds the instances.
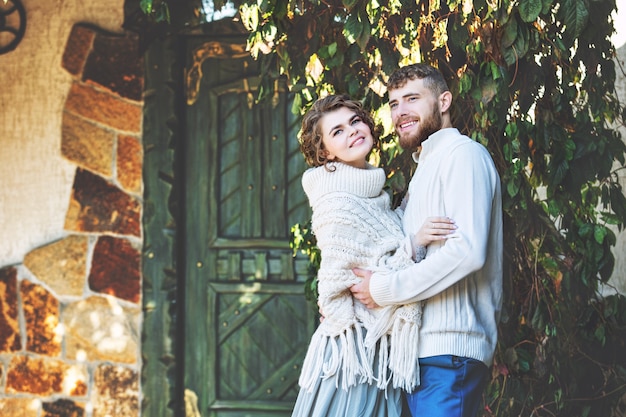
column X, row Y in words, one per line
column 12, row 24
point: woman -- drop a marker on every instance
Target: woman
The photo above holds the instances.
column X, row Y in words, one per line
column 358, row 359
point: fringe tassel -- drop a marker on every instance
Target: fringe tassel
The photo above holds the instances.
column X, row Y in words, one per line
column 364, row 357
column 383, row 364
column 353, row 353
column 376, row 330
column 313, row 362
column 404, row 357
column 347, row 352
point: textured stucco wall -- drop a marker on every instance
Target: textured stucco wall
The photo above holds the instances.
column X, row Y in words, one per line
column 35, row 180
column 618, row 279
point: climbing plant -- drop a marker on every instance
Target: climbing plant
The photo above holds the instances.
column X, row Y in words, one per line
column 534, row 81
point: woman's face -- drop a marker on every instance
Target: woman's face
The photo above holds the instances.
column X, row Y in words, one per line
column 346, row 137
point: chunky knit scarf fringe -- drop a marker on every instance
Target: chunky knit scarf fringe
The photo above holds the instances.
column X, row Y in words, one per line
column 352, row 354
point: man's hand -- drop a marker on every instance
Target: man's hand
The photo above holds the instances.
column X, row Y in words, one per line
column 361, row 291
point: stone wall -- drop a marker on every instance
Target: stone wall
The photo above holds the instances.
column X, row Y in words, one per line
column 70, row 314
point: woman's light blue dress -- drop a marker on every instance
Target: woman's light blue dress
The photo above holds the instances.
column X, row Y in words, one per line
column 328, row 399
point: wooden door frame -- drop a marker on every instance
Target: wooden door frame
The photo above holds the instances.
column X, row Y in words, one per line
column 162, row 368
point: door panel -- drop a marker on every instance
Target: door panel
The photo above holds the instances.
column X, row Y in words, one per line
column 260, row 329
column 247, row 321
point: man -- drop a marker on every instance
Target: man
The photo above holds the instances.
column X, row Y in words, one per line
column 460, row 280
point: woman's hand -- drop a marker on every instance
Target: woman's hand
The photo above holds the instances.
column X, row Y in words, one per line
column 433, row 229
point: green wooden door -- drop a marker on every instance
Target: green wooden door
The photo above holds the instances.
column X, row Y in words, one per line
column 247, row 323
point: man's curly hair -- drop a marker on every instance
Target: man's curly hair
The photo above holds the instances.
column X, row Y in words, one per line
column 310, row 140
column 433, row 78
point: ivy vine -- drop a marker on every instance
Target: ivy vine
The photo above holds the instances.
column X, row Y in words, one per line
column 534, row 81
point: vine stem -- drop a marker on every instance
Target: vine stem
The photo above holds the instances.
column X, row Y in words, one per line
column 572, row 400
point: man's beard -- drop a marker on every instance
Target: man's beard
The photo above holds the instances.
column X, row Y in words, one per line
column 427, row 126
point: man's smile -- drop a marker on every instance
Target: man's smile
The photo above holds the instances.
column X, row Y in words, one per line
column 408, row 124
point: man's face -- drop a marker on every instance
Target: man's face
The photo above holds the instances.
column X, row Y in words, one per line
column 415, row 113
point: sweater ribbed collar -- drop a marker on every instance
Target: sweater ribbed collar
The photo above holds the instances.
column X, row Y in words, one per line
column 435, row 142
column 319, row 181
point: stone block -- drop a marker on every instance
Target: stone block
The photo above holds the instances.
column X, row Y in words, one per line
column 103, row 107
column 99, row 206
column 19, row 407
column 115, row 269
column 62, row 265
column 116, row 64
column 100, row 328
column 116, row 392
column 9, row 326
column 129, row 163
column 63, row 408
column 77, row 49
column 41, row 312
column 87, row 144
column 44, row 376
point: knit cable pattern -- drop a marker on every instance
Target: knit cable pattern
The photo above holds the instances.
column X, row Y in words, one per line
column 358, row 230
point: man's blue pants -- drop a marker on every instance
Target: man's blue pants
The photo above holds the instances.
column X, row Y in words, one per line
column 450, row 386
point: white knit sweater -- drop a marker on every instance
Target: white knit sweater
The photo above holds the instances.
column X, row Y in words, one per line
column 459, row 282
column 355, row 227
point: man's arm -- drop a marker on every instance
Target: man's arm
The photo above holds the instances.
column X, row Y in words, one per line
column 469, row 183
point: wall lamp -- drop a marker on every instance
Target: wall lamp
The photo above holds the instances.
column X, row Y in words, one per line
column 12, row 24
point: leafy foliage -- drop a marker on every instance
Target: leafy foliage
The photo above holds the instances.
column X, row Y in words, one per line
column 533, row 80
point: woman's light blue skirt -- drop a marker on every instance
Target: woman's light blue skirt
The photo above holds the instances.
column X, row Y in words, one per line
column 328, row 399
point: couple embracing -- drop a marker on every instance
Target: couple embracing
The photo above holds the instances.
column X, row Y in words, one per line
column 410, row 297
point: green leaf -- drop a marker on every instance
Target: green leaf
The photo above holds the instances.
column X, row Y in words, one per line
column 524, row 360
column 353, row 28
column 280, row 9
column 538, row 319
column 354, row 86
column 335, row 61
column 349, row 4
column 599, row 233
column 547, row 4
column 146, row 6
column 558, row 172
column 509, row 34
column 585, row 230
column 465, row 83
column 575, row 18
column 457, row 34
column 513, row 186
column 364, row 38
column 600, row 334
column 519, row 48
column 250, row 20
column 327, row 51
column 618, row 202
column 357, row 29
column 163, row 13
column 529, row 10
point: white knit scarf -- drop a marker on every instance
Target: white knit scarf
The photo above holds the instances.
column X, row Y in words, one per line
column 355, row 227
